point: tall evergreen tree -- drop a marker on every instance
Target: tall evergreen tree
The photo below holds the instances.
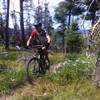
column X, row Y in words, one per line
column 22, row 23
column 73, row 40
column 43, row 16
column 47, row 19
column 65, row 10
column 60, row 16
column 93, row 6
column 38, row 13
column 1, row 27
column 7, row 26
column 74, row 7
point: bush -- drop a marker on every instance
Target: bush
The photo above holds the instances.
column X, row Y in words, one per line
column 73, row 39
column 56, row 58
column 78, row 68
column 72, row 56
column 10, row 79
column 73, row 42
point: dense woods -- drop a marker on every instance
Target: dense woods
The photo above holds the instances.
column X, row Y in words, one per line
column 74, row 28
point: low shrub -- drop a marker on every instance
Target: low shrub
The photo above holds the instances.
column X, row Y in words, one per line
column 77, row 68
column 10, row 79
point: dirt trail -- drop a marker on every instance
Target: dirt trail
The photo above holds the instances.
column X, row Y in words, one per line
column 27, row 88
column 40, row 88
column 3, row 98
column 20, row 90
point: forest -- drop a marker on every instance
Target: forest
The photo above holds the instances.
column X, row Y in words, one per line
column 72, row 30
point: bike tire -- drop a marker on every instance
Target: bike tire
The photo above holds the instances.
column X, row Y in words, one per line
column 47, row 64
column 33, row 69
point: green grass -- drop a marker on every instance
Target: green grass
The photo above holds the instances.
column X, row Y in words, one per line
column 12, row 74
column 72, row 83
column 46, row 90
column 79, row 67
column 56, row 58
column 10, row 78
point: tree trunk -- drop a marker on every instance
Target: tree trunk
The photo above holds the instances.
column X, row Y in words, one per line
column 69, row 19
column 7, row 28
column 93, row 17
column 63, row 36
column 63, row 41
column 97, row 72
column 22, row 23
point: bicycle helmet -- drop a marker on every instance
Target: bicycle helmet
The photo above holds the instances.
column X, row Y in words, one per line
column 39, row 25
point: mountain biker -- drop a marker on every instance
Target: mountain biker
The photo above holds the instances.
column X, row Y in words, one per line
column 41, row 38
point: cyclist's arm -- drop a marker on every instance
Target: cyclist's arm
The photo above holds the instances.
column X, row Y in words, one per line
column 34, row 33
column 28, row 42
column 48, row 38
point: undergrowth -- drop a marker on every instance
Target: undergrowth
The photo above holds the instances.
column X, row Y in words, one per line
column 73, row 82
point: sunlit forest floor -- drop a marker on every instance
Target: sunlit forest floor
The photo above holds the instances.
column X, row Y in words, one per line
column 74, row 81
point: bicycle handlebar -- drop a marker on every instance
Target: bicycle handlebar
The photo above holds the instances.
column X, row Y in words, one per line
column 38, row 46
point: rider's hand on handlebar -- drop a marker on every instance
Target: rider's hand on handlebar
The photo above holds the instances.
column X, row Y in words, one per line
column 43, row 47
column 27, row 47
column 47, row 45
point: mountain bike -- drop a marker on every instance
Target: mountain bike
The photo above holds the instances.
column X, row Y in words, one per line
column 37, row 65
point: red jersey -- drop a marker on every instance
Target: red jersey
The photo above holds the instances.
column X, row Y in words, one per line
column 34, row 32
column 41, row 35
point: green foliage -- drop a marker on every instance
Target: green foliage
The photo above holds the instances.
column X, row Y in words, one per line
column 10, row 79
column 73, row 39
column 60, row 12
column 2, row 28
column 31, row 97
column 9, row 55
column 12, row 74
column 74, row 26
column 56, row 58
column 72, row 57
column 69, row 83
column 78, row 68
column 92, row 10
column 25, row 97
column 67, row 8
column 80, row 90
column 73, row 42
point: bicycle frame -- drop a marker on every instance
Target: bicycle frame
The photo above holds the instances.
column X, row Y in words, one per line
column 40, row 55
column 37, row 65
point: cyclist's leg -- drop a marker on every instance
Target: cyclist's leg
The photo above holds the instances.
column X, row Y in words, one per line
column 47, row 58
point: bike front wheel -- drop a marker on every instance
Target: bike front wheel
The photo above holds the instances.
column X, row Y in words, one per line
column 32, row 69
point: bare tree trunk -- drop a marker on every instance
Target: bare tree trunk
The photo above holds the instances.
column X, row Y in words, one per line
column 22, row 23
column 93, row 18
column 97, row 72
column 7, row 28
column 63, row 36
column 96, row 38
column 69, row 19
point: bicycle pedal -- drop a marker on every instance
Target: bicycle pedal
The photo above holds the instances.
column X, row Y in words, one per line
column 35, row 72
column 47, row 66
column 39, row 75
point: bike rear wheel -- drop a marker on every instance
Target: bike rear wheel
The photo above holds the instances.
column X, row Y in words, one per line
column 33, row 69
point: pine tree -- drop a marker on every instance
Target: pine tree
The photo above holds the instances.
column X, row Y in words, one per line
column 22, row 23
column 7, row 26
column 93, row 6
